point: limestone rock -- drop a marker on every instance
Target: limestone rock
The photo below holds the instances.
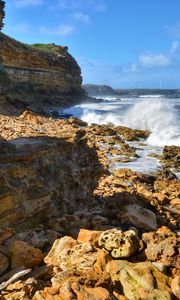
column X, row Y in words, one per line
column 4, row 263
column 81, row 257
column 25, row 255
column 54, row 256
column 140, row 217
column 88, row 236
column 71, row 290
column 163, row 246
column 175, row 286
column 118, row 243
column 140, row 280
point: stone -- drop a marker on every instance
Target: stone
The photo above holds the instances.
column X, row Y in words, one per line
column 88, row 236
column 81, row 257
column 45, row 74
column 118, row 243
column 25, row 255
column 4, row 263
column 140, row 280
column 54, row 256
column 140, row 217
column 163, row 246
column 175, row 286
column 71, row 290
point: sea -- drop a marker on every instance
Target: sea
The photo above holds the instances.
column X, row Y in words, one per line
column 158, row 113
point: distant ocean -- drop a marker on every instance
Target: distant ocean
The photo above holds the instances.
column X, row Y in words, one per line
column 159, row 114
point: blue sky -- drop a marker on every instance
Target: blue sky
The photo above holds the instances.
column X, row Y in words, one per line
column 122, row 43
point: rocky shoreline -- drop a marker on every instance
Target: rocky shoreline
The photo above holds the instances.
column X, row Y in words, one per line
column 73, row 229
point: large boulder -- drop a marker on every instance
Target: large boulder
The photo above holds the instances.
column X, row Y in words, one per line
column 163, row 246
column 119, row 243
column 140, row 280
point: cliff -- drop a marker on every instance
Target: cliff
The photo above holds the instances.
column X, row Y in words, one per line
column 99, row 90
column 40, row 74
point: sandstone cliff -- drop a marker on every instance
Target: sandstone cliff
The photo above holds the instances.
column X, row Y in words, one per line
column 40, row 75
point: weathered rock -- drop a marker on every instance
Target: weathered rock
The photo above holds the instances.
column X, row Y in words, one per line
column 4, row 263
column 163, row 246
column 171, row 157
column 175, row 286
column 54, row 256
column 25, row 255
column 40, row 74
column 44, row 176
column 131, row 134
column 118, row 243
column 73, row 290
column 140, row 280
column 138, row 216
column 81, row 257
column 88, row 236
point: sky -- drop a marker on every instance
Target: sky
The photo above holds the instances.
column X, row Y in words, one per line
column 122, row 43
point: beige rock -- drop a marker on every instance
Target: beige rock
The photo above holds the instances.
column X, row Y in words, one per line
column 25, row 255
column 118, row 243
column 140, row 280
column 175, row 286
column 61, row 245
column 138, row 216
column 81, row 257
column 88, row 236
column 72, row 290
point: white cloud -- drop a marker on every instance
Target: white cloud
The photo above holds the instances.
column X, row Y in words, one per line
column 133, row 68
column 100, row 7
column 154, row 60
column 23, row 3
column 84, row 18
column 175, row 30
column 95, row 5
column 61, row 30
column 174, row 47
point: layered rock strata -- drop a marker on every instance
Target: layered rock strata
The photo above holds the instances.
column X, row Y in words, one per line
column 41, row 75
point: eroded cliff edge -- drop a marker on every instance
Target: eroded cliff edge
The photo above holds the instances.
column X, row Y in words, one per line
column 37, row 75
column 40, row 75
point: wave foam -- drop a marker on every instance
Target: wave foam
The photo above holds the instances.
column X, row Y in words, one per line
column 156, row 116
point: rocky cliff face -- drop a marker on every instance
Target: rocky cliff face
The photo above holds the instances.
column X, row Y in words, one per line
column 41, row 74
column 99, row 90
column 48, row 172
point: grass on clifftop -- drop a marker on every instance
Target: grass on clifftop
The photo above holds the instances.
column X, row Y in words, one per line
column 52, row 48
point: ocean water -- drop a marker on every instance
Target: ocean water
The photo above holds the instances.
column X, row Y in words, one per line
column 160, row 114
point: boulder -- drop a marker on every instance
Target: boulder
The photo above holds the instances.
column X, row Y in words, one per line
column 25, row 255
column 140, row 217
column 88, row 236
column 163, row 246
column 140, row 280
column 54, row 256
column 118, row 243
column 175, row 286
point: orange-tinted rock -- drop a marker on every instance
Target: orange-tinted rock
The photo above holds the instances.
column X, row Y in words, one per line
column 88, row 236
column 54, row 256
column 163, row 246
column 175, row 286
column 24, row 255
